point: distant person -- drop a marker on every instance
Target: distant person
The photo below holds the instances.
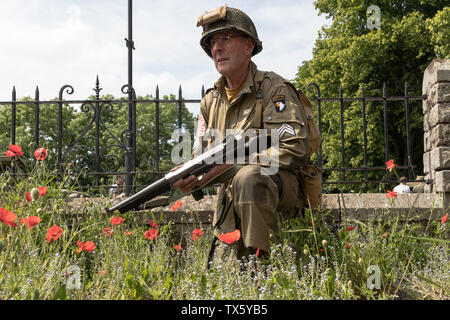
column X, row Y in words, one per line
column 402, row 188
column 118, row 191
column 419, row 185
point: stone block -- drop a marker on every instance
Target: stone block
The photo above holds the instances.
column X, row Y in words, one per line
column 436, row 159
column 439, row 114
column 426, row 106
column 430, row 188
column 427, row 141
column 439, row 93
column 439, row 136
column 405, row 207
column 443, row 181
column 437, row 71
column 426, row 162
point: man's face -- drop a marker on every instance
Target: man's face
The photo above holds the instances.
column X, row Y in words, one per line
column 231, row 52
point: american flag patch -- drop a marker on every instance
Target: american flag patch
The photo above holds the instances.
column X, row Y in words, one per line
column 200, row 126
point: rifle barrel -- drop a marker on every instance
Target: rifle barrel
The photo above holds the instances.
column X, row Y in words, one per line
column 146, row 194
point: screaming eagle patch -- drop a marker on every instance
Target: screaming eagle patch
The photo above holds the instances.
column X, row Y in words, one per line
column 279, row 103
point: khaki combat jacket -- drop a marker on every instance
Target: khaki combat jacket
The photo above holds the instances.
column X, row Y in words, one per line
column 280, row 110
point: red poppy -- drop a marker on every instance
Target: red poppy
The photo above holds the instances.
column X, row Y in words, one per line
column 14, row 151
column 117, row 220
column 107, row 231
column 391, row 194
column 28, row 196
column 384, row 235
column 30, row 221
column 350, row 228
column 40, row 153
column 153, row 224
column 10, row 154
column 103, row 272
column 177, row 247
column 348, row 245
column 177, row 205
column 54, row 232
column 390, row 165
column 230, row 237
column 8, row 217
column 42, row 191
column 196, row 234
column 128, row 232
column 321, row 250
column 88, row 246
column 151, row 234
column 444, row 218
column 258, row 252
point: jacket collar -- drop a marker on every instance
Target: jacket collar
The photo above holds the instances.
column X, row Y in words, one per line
column 249, row 82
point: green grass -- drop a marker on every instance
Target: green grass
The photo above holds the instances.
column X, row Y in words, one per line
column 413, row 260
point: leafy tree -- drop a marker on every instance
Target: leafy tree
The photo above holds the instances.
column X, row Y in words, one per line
column 348, row 53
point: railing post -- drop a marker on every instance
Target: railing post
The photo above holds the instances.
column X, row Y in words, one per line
column 408, row 143
column 385, row 124
column 13, row 116
column 341, row 107
column 180, row 108
column 36, row 118
column 13, row 123
column 157, row 132
column 363, row 96
column 130, row 154
column 97, row 111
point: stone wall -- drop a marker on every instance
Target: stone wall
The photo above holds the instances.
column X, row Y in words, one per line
column 436, row 110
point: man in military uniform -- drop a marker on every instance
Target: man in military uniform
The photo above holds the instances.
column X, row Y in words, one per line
column 246, row 98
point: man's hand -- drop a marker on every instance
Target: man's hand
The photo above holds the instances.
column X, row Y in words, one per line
column 192, row 181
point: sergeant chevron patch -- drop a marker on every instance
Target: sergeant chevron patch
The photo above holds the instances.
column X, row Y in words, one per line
column 285, row 128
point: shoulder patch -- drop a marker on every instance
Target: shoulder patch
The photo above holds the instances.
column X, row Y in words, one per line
column 279, row 103
column 285, row 129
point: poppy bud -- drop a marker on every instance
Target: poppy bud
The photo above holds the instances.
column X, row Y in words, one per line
column 305, row 251
column 324, row 242
column 35, row 194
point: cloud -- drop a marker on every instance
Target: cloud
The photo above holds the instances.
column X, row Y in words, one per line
column 52, row 43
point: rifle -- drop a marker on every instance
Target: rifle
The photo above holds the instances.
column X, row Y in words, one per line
column 196, row 166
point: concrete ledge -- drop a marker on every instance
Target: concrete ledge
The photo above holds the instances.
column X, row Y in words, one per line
column 337, row 207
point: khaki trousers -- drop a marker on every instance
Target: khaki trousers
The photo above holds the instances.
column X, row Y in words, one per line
column 254, row 203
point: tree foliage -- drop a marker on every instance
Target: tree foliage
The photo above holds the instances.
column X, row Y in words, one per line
column 348, row 53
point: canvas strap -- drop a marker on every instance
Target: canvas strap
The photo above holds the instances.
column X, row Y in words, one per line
column 257, row 121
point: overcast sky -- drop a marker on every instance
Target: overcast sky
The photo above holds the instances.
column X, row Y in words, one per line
column 51, row 43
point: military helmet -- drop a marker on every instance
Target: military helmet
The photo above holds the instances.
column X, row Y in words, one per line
column 225, row 18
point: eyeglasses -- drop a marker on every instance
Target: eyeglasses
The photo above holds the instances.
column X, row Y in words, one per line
column 223, row 40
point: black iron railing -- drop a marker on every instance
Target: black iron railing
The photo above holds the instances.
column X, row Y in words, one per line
column 364, row 99
column 126, row 141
